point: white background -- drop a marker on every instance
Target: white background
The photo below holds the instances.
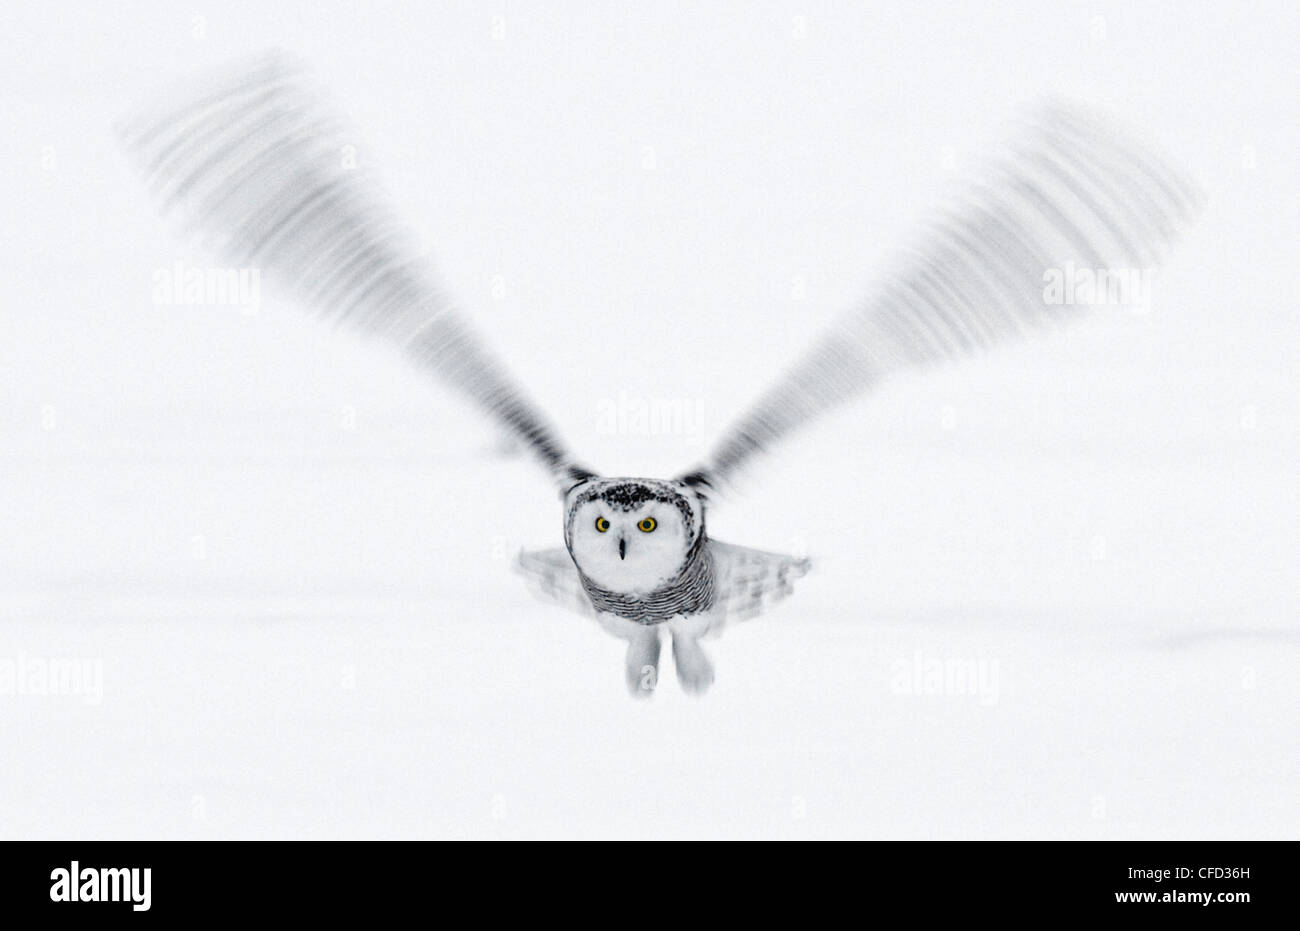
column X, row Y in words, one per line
column 291, row 556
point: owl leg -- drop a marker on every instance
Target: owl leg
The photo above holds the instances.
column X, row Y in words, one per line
column 643, row 660
column 694, row 668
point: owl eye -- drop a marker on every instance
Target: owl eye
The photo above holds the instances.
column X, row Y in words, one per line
column 647, row 525
column 601, row 524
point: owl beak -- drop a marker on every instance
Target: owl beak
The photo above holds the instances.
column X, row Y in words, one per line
column 622, row 547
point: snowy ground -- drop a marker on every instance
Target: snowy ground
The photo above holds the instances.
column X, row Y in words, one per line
column 1054, row 590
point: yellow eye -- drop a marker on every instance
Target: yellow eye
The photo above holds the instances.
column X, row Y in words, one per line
column 601, row 524
column 647, row 525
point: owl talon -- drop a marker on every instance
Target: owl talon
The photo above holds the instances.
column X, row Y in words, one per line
column 694, row 668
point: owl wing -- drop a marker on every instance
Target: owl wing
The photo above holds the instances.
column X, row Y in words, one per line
column 552, row 575
column 1073, row 192
column 256, row 161
column 748, row 581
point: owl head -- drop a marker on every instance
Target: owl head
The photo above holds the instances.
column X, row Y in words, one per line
column 632, row 535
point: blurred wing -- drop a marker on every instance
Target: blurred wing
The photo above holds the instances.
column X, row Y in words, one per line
column 258, row 163
column 552, row 575
column 748, row 581
column 1073, row 194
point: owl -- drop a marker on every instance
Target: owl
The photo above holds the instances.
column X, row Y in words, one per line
column 254, row 159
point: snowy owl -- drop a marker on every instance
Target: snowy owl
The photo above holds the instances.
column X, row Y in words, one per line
column 255, row 160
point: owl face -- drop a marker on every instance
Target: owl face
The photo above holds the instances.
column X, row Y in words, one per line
column 632, row 535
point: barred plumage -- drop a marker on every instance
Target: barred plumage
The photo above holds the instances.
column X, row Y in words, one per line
column 690, row 592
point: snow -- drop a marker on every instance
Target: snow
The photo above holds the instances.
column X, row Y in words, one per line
column 1054, row 590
